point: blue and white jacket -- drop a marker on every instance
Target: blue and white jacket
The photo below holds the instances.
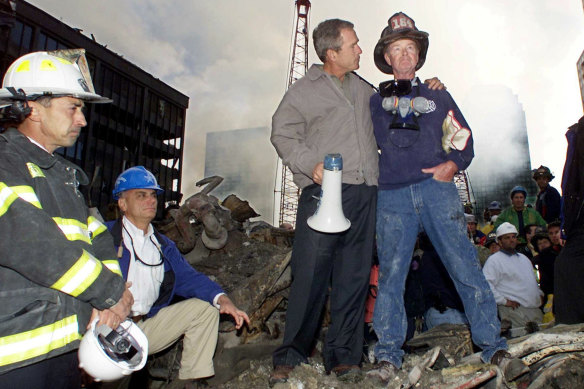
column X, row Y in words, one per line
column 180, row 279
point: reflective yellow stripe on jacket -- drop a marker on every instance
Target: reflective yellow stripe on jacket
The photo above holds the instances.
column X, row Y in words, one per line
column 10, row 193
column 80, row 276
column 113, row 265
column 95, row 227
column 7, row 197
column 40, row 341
column 26, row 193
column 73, row 229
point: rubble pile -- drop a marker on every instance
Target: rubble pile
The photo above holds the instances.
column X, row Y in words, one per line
column 440, row 360
column 250, row 260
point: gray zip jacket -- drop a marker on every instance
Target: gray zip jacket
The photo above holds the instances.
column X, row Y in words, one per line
column 315, row 118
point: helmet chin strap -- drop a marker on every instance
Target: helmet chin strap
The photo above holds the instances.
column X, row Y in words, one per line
column 18, row 110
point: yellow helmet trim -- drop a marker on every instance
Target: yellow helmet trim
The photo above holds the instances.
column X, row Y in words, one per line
column 47, row 64
column 23, row 67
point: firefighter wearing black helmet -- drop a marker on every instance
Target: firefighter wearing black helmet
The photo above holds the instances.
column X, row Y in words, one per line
column 424, row 141
column 548, row 198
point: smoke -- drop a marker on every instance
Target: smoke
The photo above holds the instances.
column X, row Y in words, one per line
column 231, row 58
column 247, row 162
column 501, row 145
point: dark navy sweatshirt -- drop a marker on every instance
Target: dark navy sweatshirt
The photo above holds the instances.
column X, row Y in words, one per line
column 404, row 153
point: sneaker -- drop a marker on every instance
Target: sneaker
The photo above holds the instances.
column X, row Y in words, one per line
column 347, row 373
column 384, row 371
column 511, row 367
column 280, row 374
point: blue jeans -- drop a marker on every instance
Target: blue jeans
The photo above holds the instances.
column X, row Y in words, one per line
column 433, row 317
column 434, row 207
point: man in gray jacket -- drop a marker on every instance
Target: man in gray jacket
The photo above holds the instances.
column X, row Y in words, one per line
column 327, row 111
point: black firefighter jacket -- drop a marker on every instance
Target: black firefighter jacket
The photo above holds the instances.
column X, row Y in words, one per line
column 56, row 261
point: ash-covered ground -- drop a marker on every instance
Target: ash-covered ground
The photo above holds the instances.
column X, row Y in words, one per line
column 440, row 359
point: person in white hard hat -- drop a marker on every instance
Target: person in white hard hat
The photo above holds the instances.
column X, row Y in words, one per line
column 58, row 266
column 512, row 280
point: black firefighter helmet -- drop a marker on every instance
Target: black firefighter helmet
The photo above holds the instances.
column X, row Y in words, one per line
column 542, row 171
column 400, row 26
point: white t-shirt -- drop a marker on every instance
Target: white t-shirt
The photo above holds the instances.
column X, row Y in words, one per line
column 511, row 276
column 146, row 280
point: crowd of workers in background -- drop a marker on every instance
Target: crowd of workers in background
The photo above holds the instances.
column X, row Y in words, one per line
column 523, row 285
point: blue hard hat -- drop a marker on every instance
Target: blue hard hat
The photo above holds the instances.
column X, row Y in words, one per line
column 136, row 177
column 494, row 205
column 518, row 188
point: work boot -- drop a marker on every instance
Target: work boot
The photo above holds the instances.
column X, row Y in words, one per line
column 347, row 373
column 189, row 384
column 531, row 327
column 280, row 374
column 506, row 328
column 511, row 367
column 384, row 372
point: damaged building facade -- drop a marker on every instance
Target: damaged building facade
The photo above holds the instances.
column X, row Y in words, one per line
column 145, row 124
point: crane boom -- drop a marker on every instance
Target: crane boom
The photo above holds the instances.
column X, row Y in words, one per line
column 289, row 193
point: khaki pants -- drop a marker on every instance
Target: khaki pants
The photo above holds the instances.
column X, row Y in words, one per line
column 521, row 315
column 199, row 322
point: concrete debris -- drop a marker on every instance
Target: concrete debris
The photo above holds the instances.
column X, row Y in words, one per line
column 250, row 259
column 240, row 210
column 453, row 339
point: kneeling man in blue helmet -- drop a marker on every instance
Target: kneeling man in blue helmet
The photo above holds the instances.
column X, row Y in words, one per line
column 158, row 272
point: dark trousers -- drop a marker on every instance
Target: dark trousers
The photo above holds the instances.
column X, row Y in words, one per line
column 568, row 285
column 341, row 261
column 60, row 372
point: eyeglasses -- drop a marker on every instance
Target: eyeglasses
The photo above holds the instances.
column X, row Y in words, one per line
column 140, row 259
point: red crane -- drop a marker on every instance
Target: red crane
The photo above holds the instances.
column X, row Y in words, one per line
column 464, row 189
column 289, row 192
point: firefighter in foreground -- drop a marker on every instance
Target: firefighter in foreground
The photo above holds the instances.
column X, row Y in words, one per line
column 57, row 262
column 158, row 273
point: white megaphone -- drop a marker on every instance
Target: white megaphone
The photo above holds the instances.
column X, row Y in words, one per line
column 329, row 216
